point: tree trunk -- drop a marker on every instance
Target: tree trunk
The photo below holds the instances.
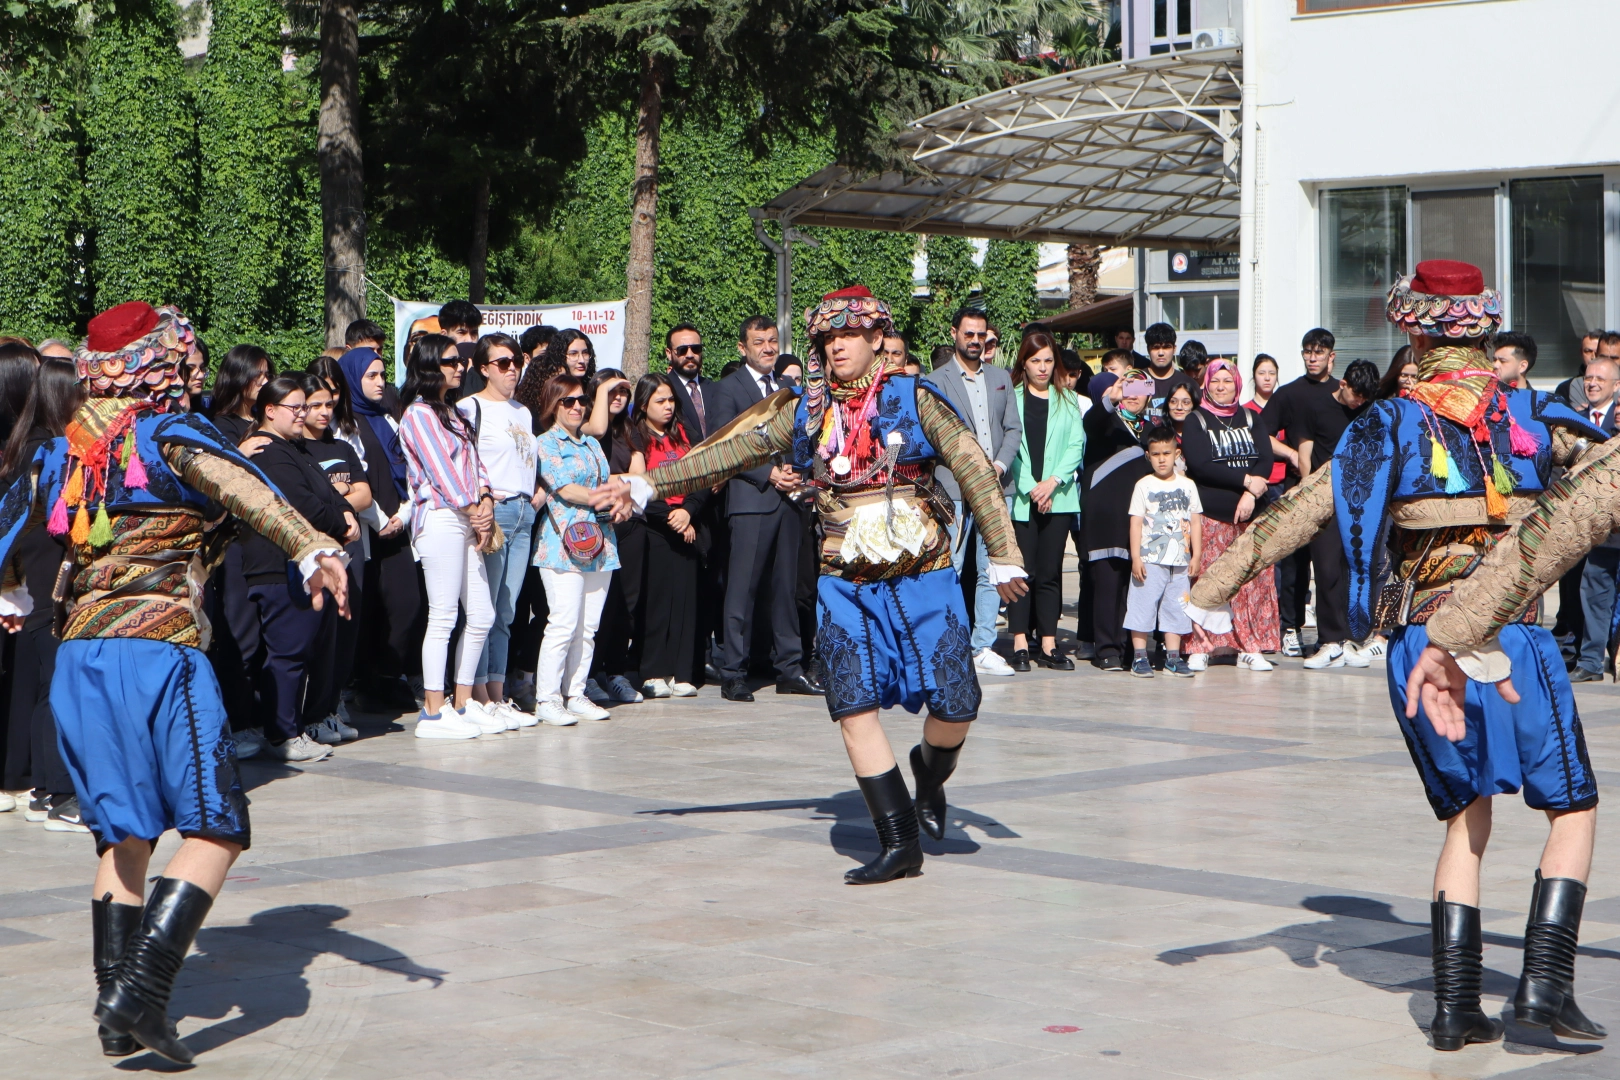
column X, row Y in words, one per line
column 343, row 218
column 1085, row 260
column 644, row 219
column 478, row 257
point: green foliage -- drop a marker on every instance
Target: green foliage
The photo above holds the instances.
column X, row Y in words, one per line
column 245, row 156
column 42, row 209
column 141, row 170
column 711, row 270
column 951, row 277
column 1007, row 283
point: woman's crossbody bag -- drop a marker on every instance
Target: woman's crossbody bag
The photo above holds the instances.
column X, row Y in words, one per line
column 583, row 540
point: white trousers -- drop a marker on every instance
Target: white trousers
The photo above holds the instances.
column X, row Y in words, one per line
column 454, row 573
column 574, row 603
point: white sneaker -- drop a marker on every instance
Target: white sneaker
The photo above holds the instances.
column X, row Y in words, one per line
column 303, row 748
column 551, row 711
column 1310, row 616
column 1198, row 661
column 619, row 689
column 1254, row 662
column 516, row 717
column 8, row 802
column 682, row 689
column 344, row 724
column 1373, row 650
column 586, row 709
column 449, row 724
column 595, row 693
column 989, row 662
column 249, row 743
column 1328, row 656
column 656, row 688
column 1290, row 643
column 1354, row 657
column 489, row 723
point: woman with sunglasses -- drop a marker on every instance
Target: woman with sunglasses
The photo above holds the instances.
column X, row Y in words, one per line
column 452, row 515
column 277, row 626
column 576, row 554
column 505, row 433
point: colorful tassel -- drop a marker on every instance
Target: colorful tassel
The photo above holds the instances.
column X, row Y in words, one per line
column 134, row 472
column 73, row 492
column 1495, row 502
column 1455, row 483
column 81, row 525
column 57, row 525
column 1523, row 443
column 1439, row 466
column 1501, row 478
column 129, row 449
column 101, row 532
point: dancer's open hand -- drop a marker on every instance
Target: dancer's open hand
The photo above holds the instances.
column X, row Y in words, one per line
column 615, row 496
column 329, row 575
column 1441, row 686
column 1012, row 590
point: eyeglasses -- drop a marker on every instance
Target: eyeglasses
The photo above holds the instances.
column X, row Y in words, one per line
column 505, row 363
column 296, row 410
column 572, row 401
column 695, row 350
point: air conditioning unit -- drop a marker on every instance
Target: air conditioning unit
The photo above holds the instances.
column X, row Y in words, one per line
column 1215, row 37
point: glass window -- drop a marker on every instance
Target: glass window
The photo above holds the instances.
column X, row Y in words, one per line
column 1184, row 24
column 1197, row 312
column 1363, row 252
column 1226, row 311
column 1457, row 225
column 1558, row 284
column 1161, row 18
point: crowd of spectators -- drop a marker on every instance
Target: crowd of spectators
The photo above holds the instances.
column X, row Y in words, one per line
column 487, row 595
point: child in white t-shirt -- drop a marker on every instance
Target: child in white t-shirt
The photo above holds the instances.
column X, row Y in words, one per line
column 1166, row 539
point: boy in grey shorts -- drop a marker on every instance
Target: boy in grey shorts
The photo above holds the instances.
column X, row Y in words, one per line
column 1166, row 538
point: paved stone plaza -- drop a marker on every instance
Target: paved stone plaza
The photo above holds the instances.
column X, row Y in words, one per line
column 1226, row 877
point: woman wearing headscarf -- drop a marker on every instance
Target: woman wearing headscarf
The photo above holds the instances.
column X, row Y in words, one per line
column 391, row 607
column 1114, row 462
column 1229, row 457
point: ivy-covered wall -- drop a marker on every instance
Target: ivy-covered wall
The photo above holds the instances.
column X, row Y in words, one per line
column 41, row 206
column 140, row 127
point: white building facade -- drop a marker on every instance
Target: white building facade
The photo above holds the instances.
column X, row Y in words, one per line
column 1388, row 131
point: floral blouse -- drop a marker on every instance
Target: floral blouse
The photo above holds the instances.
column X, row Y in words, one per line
column 567, row 460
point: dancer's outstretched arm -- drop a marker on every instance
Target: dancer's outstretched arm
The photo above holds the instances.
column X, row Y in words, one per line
column 1278, row 531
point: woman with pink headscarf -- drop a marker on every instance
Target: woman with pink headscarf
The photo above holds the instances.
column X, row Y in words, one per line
column 1229, row 457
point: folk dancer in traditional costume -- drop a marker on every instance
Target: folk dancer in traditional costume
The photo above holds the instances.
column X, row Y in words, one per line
column 134, row 491
column 1453, row 529
column 893, row 627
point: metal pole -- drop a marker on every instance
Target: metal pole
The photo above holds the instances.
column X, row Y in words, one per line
column 1248, row 257
column 784, row 273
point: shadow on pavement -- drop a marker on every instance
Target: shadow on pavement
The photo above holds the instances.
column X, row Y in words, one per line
column 261, row 969
column 1357, row 939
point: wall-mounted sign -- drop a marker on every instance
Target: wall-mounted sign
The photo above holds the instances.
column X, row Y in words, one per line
column 1203, row 266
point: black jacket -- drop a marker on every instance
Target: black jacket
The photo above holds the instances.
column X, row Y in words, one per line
column 696, row 429
column 307, row 490
column 1114, row 462
column 750, row 492
column 1220, row 452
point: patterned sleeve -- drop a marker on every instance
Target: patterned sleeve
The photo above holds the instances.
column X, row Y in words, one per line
column 433, row 448
column 1280, row 529
column 961, row 453
column 248, row 498
column 1574, row 515
column 756, row 435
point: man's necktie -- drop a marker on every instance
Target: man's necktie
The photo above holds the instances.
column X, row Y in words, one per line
column 695, row 392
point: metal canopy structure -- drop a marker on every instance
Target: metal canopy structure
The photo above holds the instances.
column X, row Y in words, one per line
column 1141, row 153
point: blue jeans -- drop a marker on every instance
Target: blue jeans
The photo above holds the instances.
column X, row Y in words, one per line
column 505, row 569
column 986, row 601
column 1597, row 604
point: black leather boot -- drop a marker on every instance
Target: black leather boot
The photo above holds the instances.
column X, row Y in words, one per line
column 137, row 1001
column 1546, row 994
column 896, row 820
column 111, row 927
column 932, row 767
column 1459, row 971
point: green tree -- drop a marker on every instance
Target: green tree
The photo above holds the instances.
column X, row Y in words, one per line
column 246, row 156
column 951, row 278
column 1007, row 283
column 141, row 169
column 41, row 212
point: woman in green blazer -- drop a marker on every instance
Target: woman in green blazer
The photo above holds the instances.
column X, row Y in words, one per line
column 1046, row 497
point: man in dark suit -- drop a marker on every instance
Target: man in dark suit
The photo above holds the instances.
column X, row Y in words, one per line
column 766, row 530
column 683, row 349
column 1601, row 384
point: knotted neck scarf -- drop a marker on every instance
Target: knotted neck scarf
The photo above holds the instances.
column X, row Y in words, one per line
column 1456, row 382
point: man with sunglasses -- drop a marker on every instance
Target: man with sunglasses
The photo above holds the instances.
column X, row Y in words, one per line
column 893, row 621
column 683, row 350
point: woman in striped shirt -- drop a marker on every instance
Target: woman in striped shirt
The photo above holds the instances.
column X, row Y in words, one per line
column 452, row 513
